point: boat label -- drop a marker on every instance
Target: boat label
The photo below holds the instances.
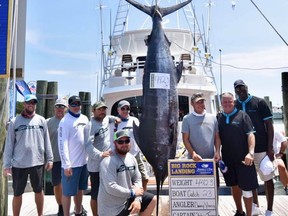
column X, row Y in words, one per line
column 159, row 81
column 192, row 187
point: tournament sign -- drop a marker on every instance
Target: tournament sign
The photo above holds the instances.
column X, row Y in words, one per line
column 4, row 35
column 192, row 188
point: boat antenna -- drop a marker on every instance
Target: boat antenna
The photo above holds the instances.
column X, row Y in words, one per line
column 269, row 23
column 102, row 44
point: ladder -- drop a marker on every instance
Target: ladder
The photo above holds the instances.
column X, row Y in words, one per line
column 118, row 30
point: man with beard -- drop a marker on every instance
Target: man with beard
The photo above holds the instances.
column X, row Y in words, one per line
column 126, row 123
column 261, row 117
column 121, row 191
column 26, row 151
column 97, row 144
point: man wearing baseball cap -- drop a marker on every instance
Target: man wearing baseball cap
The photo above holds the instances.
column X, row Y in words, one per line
column 27, row 152
column 261, row 117
column 126, row 123
column 73, row 156
column 60, row 108
column 121, row 191
column 97, row 145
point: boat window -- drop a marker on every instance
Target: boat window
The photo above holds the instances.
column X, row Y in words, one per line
column 183, row 106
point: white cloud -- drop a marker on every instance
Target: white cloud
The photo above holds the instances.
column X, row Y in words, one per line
column 56, row 72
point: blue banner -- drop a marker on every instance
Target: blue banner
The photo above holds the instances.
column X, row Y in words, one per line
column 4, row 18
column 191, row 168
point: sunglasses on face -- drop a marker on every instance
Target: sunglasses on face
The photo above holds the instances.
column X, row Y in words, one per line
column 120, row 142
column 60, row 106
column 125, row 108
column 75, row 104
column 33, row 102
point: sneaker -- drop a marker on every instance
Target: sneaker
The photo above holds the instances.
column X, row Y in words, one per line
column 84, row 210
column 83, row 213
column 256, row 210
column 268, row 213
column 286, row 190
column 239, row 214
column 60, row 211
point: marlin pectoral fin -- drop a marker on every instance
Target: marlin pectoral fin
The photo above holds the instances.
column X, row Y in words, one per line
column 179, row 70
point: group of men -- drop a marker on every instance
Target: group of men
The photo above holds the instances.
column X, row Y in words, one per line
column 244, row 132
column 241, row 135
column 73, row 148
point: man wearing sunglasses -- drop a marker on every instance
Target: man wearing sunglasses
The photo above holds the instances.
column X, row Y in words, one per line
column 60, row 109
column 98, row 146
column 73, row 156
column 127, row 123
column 26, row 151
column 121, row 191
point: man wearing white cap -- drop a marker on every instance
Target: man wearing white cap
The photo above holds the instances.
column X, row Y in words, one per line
column 27, row 152
column 126, row 123
column 60, row 109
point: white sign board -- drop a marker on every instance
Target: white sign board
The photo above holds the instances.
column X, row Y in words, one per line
column 159, row 81
column 192, row 188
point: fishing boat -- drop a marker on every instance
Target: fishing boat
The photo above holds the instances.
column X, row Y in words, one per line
column 125, row 59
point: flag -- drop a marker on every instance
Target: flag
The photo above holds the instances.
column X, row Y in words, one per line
column 32, row 87
column 22, row 87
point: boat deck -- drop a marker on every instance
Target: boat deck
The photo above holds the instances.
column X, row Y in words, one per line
column 226, row 205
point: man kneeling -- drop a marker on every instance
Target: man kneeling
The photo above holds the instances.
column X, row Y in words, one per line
column 121, row 191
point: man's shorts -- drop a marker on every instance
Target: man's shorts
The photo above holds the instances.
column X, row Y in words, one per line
column 20, row 177
column 146, row 199
column 243, row 176
column 95, row 182
column 258, row 157
column 56, row 173
column 141, row 166
column 78, row 181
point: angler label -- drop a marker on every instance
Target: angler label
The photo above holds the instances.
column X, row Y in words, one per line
column 192, row 188
column 159, row 81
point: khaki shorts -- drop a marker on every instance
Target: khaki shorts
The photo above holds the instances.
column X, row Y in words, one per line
column 141, row 166
column 257, row 160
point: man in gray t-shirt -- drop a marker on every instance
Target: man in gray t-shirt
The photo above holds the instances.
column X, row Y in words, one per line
column 200, row 132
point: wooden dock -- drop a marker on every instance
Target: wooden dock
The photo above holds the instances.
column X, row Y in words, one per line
column 226, row 205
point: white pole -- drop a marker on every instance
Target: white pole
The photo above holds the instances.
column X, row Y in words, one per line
column 15, row 29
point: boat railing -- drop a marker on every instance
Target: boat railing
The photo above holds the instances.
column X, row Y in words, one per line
column 131, row 73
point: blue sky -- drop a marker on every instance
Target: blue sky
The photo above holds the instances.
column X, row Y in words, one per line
column 63, row 43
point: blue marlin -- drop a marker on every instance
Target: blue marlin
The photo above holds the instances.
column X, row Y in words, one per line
column 157, row 132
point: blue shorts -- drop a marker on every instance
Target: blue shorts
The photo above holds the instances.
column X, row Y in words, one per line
column 56, row 173
column 78, row 181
